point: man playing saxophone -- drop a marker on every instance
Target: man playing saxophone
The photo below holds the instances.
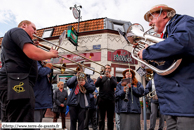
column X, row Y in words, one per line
column 175, row 91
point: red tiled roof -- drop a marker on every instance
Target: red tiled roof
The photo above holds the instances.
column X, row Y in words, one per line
column 90, row 25
column 1, row 38
column 84, row 26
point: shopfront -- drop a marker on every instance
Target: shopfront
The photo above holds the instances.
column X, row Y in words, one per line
column 121, row 60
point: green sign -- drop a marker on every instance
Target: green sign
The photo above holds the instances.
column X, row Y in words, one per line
column 72, row 35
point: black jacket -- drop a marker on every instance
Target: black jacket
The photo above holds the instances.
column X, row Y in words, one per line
column 74, row 100
column 59, row 98
column 106, row 87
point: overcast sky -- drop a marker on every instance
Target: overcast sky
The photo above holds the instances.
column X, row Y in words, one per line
column 46, row 13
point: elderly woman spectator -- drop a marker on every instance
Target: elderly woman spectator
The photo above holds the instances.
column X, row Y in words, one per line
column 59, row 106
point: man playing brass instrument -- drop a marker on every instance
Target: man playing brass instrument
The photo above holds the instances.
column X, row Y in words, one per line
column 150, row 87
column 175, row 91
column 43, row 90
column 19, row 57
column 78, row 99
column 106, row 98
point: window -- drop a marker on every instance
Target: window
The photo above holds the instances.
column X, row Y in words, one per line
column 116, row 26
column 47, row 33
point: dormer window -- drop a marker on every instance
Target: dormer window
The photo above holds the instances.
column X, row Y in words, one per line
column 116, row 26
column 47, row 33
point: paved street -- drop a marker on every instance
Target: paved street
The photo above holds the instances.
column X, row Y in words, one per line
column 49, row 119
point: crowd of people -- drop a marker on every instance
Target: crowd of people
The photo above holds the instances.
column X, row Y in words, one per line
column 32, row 94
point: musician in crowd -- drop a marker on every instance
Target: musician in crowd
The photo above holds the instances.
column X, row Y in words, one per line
column 60, row 103
column 175, row 91
column 43, row 91
column 97, row 97
column 18, row 56
column 91, row 111
column 130, row 108
column 78, row 100
column 106, row 100
column 117, row 111
column 150, row 87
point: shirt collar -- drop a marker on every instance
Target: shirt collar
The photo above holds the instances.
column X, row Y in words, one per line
column 165, row 27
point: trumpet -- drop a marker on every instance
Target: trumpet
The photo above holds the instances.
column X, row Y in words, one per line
column 148, row 76
column 153, row 95
column 62, row 67
column 57, row 46
column 135, row 34
column 106, row 73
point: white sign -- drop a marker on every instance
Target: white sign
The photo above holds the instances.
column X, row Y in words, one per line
column 75, row 13
column 88, row 71
column 31, row 125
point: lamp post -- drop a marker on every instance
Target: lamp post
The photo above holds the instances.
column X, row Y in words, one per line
column 76, row 13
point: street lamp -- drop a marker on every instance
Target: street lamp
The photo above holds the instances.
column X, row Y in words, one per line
column 76, row 13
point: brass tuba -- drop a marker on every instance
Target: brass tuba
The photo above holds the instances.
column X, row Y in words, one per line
column 136, row 35
column 81, row 77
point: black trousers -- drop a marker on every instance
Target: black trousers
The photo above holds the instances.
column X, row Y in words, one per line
column 21, row 110
column 77, row 113
column 106, row 106
column 91, row 114
column 56, row 116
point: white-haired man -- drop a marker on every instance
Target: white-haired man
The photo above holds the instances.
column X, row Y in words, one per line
column 175, row 91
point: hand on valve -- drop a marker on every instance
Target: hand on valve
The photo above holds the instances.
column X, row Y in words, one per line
column 82, row 83
column 125, row 88
column 49, row 65
column 140, row 53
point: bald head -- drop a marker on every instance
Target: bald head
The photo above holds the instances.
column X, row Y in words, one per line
column 28, row 26
column 24, row 22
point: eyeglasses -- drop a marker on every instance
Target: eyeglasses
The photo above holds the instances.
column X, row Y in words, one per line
column 153, row 17
column 127, row 73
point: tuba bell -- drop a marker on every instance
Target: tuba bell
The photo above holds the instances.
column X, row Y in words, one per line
column 135, row 35
column 81, row 77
